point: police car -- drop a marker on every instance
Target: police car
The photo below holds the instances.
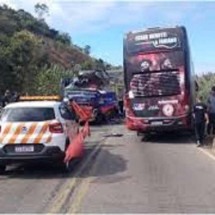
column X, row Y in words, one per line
column 35, row 130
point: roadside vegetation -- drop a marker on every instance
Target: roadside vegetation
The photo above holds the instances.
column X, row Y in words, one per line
column 205, row 82
column 34, row 57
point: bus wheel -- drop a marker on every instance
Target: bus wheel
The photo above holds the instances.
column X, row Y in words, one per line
column 2, row 169
column 146, row 137
column 139, row 133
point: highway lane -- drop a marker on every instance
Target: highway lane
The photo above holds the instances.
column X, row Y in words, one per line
column 166, row 174
column 31, row 188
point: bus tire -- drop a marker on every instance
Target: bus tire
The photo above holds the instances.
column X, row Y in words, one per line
column 2, row 169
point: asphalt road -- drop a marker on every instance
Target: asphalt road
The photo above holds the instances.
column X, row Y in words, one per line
column 166, row 174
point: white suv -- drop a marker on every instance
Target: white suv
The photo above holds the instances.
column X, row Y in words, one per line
column 36, row 130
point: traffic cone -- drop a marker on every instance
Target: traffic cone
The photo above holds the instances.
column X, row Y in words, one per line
column 75, row 148
column 86, row 130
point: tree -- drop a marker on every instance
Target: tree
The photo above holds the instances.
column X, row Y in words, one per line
column 21, row 57
column 41, row 10
column 29, row 47
column 205, row 81
column 100, row 64
column 108, row 66
column 87, row 65
column 64, row 38
column 26, row 58
column 87, row 49
column 48, row 79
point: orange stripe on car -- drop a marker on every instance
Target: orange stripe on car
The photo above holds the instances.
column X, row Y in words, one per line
column 49, row 139
column 29, row 133
column 42, row 132
column 16, row 133
column 5, row 131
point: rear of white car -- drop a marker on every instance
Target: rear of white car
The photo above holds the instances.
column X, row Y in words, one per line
column 31, row 131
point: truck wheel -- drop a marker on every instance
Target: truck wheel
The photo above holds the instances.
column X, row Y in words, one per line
column 99, row 119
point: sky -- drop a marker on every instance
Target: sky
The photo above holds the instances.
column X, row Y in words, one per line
column 102, row 24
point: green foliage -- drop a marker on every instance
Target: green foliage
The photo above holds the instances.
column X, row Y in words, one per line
column 87, row 49
column 12, row 21
column 64, row 38
column 33, row 56
column 41, row 10
column 100, row 64
column 48, row 80
column 21, row 55
column 87, row 65
column 205, row 82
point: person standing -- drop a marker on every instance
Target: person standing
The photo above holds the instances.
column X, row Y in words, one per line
column 211, row 112
column 15, row 97
column 6, row 98
column 200, row 120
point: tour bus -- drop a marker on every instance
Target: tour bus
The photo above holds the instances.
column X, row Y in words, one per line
column 159, row 80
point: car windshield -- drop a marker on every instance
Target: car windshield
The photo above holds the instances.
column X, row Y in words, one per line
column 27, row 114
column 80, row 93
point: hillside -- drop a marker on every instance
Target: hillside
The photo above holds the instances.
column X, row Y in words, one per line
column 29, row 47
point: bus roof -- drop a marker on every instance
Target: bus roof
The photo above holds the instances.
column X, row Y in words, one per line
column 155, row 39
column 154, row 29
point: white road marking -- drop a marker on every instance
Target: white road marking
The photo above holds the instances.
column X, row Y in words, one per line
column 207, row 153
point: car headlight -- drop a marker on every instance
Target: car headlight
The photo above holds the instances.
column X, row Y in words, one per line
column 66, row 100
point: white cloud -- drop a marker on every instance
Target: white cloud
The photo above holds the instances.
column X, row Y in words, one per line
column 81, row 17
column 94, row 16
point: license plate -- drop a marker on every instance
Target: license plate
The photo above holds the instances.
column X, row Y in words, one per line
column 24, row 149
column 157, row 123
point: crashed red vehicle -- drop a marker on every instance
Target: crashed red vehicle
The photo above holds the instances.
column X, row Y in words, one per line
column 159, row 80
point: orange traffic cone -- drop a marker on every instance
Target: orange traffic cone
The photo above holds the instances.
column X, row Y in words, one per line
column 75, row 148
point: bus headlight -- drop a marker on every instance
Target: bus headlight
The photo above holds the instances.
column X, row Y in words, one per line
column 168, row 110
column 130, row 95
column 186, row 108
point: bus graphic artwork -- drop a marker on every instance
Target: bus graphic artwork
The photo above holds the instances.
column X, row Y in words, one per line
column 159, row 80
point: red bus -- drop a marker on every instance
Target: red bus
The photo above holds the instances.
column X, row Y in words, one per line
column 159, row 80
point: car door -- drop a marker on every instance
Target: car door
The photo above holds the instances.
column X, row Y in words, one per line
column 71, row 125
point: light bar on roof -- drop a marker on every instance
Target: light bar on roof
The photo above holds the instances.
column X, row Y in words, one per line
column 39, row 98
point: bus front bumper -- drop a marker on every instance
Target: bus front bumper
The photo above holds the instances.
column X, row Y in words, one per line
column 158, row 124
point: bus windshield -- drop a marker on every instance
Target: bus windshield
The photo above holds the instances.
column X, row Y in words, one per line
column 156, row 84
column 156, row 74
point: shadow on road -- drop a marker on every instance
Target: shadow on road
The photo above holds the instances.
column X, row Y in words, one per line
column 106, row 167
column 37, row 171
column 46, row 170
column 110, row 164
column 169, row 138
